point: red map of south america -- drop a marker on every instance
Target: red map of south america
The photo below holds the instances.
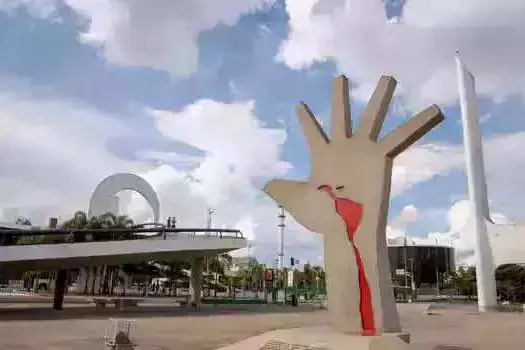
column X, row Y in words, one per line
column 352, row 213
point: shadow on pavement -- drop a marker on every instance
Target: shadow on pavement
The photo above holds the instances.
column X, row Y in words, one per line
column 89, row 312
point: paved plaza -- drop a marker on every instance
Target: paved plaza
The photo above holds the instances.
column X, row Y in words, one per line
column 163, row 327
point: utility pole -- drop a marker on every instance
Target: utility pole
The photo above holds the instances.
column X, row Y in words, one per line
column 405, row 265
column 281, row 226
column 209, row 213
column 437, row 281
column 412, row 282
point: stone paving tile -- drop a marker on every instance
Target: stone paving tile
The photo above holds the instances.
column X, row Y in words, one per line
column 169, row 328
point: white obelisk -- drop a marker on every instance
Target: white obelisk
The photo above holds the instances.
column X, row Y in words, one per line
column 477, row 188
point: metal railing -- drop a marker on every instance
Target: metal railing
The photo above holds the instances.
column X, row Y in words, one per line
column 59, row 236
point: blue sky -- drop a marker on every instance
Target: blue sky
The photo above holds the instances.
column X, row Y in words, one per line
column 238, row 62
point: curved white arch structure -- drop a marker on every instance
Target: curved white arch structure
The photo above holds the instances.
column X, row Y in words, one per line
column 507, row 244
column 104, row 199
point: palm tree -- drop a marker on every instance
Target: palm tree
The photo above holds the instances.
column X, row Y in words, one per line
column 257, row 276
column 78, row 221
column 108, row 220
column 216, row 266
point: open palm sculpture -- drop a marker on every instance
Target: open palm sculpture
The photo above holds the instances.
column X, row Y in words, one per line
column 346, row 200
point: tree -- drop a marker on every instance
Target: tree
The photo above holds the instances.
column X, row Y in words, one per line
column 23, row 221
column 81, row 221
column 78, row 221
column 257, row 275
column 464, row 280
column 104, row 221
column 510, row 279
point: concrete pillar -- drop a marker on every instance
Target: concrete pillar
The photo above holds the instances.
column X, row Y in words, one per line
column 60, row 288
column 89, row 281
column 197, row 268
column 82, row 280
column 98, row 280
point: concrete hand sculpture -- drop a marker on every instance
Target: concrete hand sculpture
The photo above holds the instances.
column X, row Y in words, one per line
column 346, row 200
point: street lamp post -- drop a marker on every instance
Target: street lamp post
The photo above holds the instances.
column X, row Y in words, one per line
column 209, row 213
column 412, row 282
column 405, row 275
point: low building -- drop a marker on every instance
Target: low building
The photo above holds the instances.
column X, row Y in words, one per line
column 240, row 263
column 419, row 263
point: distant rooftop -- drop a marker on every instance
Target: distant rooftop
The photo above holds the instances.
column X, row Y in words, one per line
column 416, row 241
column 12, row 226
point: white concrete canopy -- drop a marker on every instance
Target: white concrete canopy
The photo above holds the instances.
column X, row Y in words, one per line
column 74, row 255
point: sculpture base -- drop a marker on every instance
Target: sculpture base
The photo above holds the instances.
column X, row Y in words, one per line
column 320, row 338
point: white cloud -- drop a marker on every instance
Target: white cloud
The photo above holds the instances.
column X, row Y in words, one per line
column 464, row 240
column 394, row 232
column 458, row 235
column 409, row 213
column 419, row 50
column 53, row 152
column 38, row 8
column 422, row 163
column 502, row 158
column 163, row 35
column 239, row 152
column 397, row 226
column 237, row 145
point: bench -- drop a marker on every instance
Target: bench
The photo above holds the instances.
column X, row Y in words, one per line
column 183, row 301
column 120, row 303
column 100, row 303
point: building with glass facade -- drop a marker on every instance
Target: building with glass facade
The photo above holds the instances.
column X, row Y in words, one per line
column 419, row 264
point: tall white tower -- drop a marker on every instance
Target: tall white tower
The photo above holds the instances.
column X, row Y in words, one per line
column 477, row 188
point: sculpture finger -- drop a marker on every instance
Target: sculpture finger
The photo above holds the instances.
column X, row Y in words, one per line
column 286, row 192
column 315, row 135
column 374, row 114
column 411, row 131
column 341, row 116
column 303, row 202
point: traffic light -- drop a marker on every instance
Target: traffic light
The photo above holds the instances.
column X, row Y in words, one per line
column 292, row 261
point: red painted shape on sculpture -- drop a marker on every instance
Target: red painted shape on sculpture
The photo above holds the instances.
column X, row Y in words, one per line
column 352, row 213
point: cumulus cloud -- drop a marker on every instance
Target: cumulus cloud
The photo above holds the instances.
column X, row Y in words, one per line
column 393, row 232
column 459, row 235
column 423, row 162
column 38, row 8
column 409, row 213
column 238, row 147
column 417, row 49
column 397, row 226
column 54, row 152
column 50, row 158
column 163, row 35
